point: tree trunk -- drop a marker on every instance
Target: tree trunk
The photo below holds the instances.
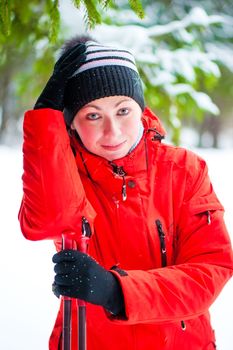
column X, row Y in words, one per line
column 212, row 125
column 5, row 101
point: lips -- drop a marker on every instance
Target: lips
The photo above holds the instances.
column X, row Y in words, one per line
column 113, row 147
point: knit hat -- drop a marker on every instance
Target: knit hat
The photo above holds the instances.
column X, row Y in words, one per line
column 106, row 71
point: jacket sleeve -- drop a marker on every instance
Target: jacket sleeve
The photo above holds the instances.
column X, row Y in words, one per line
column 54, row 199
column 203, row 261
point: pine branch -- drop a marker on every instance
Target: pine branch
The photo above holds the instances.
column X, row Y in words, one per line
column 5, row 24
column 55, row 19
column 136, row 6
column 77, row 3
column 92, row 15
column 106, row 4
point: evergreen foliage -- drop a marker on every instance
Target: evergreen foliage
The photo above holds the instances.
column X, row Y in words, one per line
column 93, row 12
column 137, row 7
column 183, row 62
column 30, row 34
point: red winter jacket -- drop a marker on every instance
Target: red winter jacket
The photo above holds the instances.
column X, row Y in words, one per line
column 167, row 241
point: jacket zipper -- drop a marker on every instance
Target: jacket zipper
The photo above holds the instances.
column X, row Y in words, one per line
column 120, row 172
column 164, row 254
column 162, row 242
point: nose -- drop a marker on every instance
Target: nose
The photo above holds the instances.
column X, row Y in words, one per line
column 112, row 128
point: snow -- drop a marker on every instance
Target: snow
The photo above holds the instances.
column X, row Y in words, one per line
column 204, row 102
column 28, row 306
column 199, row 17
column 221, row 53
column 163, row 66
column 196, row 17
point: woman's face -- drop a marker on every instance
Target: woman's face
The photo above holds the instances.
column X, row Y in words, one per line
column 109, row 126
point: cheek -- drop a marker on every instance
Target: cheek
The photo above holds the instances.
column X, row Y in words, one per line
column 132, row 127
column 88, row 135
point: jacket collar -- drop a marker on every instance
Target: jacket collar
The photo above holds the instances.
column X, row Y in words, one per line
column 152, row 122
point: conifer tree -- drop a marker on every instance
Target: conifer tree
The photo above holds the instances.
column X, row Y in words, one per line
column 92, row 10
column 25, row 26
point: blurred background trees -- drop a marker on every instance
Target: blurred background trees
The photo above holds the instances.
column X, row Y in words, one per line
column 183, row 50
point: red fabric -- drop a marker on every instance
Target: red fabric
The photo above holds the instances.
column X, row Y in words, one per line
column 163, row 183
column 54, row 199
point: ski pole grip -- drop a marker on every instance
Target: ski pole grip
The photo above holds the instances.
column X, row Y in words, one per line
column 68, row 242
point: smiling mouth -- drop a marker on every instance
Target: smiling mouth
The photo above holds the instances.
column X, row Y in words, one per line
column 113, row 147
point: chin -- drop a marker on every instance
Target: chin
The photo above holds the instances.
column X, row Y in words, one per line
column 116, row 156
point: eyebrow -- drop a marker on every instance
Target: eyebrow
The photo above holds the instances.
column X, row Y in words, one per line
column 99, row 108
column 125, row 100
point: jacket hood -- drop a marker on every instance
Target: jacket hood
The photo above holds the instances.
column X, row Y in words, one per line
column 152, row 122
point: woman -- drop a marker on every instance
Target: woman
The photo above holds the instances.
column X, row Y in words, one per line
column 160, row 252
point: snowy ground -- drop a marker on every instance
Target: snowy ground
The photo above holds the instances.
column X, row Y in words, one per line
column 27, row 305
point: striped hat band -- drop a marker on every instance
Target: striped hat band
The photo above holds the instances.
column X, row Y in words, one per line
column 99, row 56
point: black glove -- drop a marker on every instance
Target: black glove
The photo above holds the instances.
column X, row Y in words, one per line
column 53, row 94
column 79, row 276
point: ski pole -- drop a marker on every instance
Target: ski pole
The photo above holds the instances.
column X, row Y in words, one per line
column 83, row 247
column 67, row 243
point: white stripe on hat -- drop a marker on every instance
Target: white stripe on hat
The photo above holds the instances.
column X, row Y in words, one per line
column 102, row 63
column 110, row 54
column 93, row 46
column 99, row 56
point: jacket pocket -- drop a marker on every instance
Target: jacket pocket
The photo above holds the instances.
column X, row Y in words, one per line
column 197, row 210
column 207, row 212
column 199, row 206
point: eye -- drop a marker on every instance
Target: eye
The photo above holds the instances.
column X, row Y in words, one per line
column 92, row 116
column 123, row 111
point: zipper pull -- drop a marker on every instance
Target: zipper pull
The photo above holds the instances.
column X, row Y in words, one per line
column 124, row 194
column 162, row 243
column 118, row 169
column 120, row 172
column 161, row 235
column 208, row 217
column 183, row 325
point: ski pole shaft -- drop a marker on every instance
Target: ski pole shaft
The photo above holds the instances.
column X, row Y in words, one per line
column 82, row 327
column 67, row 307
column 66, row 329
column 68, row 243
column 83, row 247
